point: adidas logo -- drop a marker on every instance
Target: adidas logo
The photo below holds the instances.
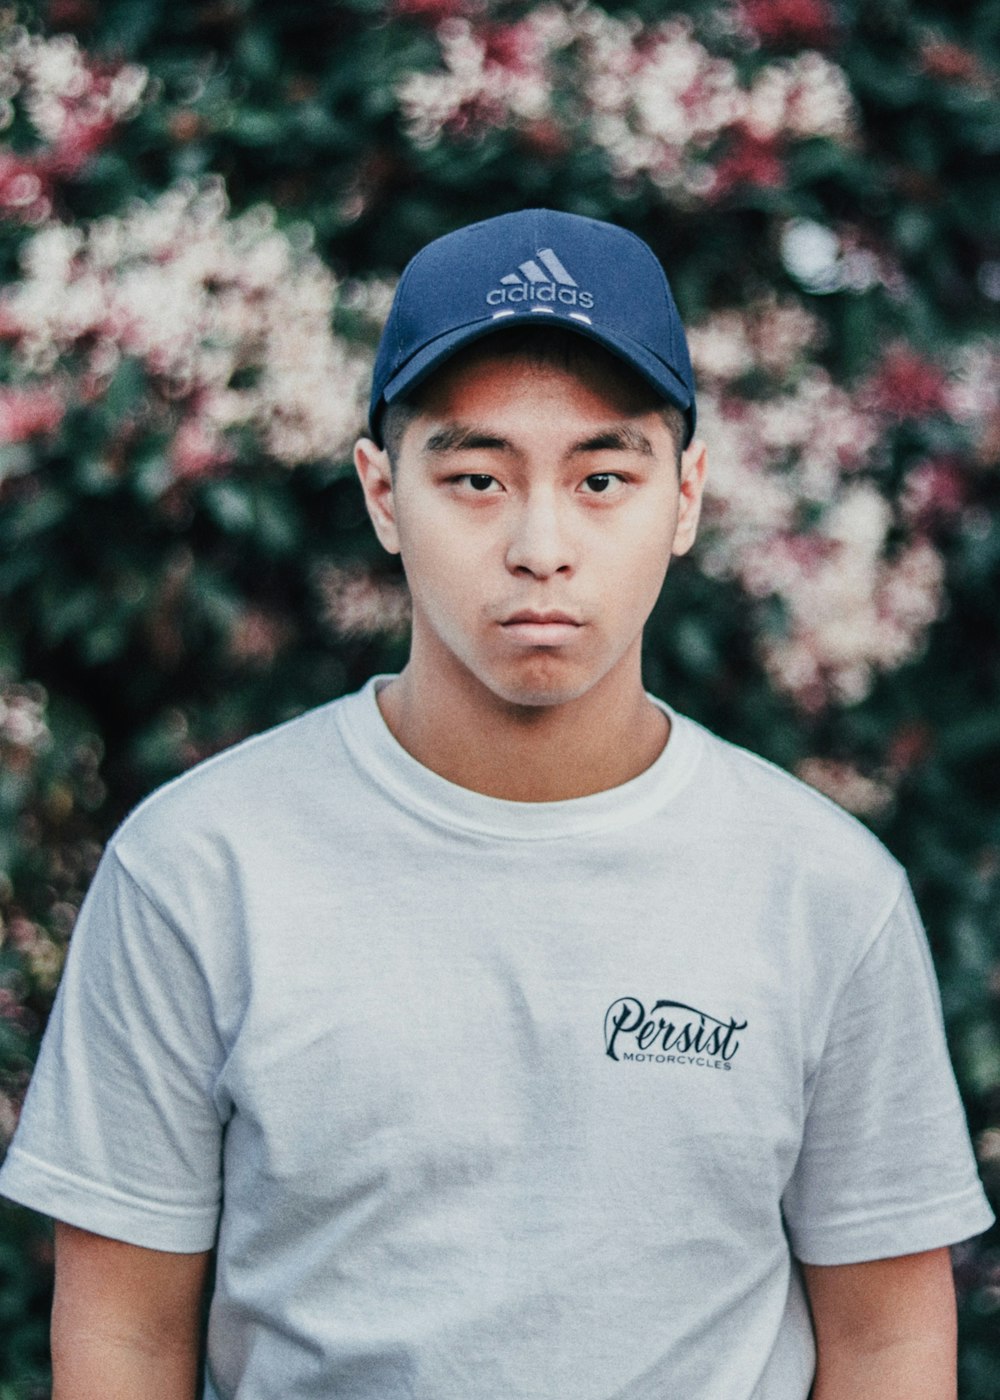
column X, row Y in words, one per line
column 542, row 278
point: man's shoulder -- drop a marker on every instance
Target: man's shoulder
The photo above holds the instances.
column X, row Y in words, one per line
column 247, row 782
column 771, row 810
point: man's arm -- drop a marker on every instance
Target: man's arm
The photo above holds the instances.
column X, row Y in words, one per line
column 125, row 1321
column 885, row 1330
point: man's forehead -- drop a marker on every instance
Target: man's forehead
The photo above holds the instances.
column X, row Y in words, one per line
column 495, row 372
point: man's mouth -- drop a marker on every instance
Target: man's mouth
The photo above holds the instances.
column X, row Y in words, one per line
column 528, row 615
column 548, row 628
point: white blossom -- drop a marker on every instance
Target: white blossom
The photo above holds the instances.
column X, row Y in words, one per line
column 59, row 88
column 972, row 391
column 790, row 515
column 198, row 297
column 652, row 97
column 516, row 91
column 357, row 604
column 860, row 793
column 23, row 722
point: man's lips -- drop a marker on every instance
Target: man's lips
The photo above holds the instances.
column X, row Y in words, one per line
column 526, row 615
column 541, row 628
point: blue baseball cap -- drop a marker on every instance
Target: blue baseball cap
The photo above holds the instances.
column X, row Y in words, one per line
column 538, row 267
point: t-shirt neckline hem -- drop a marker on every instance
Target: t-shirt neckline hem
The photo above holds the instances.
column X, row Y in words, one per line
column 418, row 788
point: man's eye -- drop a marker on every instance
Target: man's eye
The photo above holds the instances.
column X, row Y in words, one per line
column 479, row 481
column 601, row 482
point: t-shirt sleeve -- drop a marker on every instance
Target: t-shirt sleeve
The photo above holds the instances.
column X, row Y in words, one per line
column 119, row 1133
column 886, row 1167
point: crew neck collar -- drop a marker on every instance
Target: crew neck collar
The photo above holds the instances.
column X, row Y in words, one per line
column 382, row 758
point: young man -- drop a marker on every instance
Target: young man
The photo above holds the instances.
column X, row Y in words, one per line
column 507, row 1034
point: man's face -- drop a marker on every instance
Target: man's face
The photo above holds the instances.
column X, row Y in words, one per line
column 536, row 510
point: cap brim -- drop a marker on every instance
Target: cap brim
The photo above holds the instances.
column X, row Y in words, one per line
column 658, row 374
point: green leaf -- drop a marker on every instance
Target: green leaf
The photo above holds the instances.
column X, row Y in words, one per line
column 125, row 394
column 259, row 128
column 231, row 506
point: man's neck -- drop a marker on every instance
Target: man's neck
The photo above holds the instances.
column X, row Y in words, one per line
column 525, row 753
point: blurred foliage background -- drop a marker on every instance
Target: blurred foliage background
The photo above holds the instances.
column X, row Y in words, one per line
column 203, row 209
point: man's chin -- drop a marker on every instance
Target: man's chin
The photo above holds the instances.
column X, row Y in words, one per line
column 540, row 691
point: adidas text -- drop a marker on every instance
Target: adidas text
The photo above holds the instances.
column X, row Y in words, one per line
column 540, row 291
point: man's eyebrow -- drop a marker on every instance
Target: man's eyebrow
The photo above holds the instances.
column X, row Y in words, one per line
column 453, row 437
column 456, row 437
column 622, row 438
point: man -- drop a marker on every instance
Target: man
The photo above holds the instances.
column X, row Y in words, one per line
column 507, row 1033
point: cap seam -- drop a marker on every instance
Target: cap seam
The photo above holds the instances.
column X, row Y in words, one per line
column 663, row 279
column 400, row 293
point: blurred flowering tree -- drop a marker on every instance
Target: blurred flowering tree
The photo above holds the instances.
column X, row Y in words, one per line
column 203, row 208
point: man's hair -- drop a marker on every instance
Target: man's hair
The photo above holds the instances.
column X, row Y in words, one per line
column 542, row 346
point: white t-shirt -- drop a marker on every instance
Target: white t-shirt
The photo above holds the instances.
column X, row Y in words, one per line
column 512, row 1101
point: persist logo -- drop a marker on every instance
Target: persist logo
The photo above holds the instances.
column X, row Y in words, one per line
column 542, row 278
column 685, row 1036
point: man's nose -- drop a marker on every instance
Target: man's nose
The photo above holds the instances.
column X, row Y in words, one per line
column 540, row 542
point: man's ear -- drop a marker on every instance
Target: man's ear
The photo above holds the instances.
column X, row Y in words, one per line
column 694, row 465
column 372, row 464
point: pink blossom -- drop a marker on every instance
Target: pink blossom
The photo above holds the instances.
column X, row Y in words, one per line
column 27, row 412
column 10, row 325
column 24, row 187
column 910, row 746
column 546, row 138
column 196, row 450
column 811, row 22
column 906, row 385
column 473, row 115
column 749, row 160
column 433, row 11
column 9, row 1107
column 514, row 47
column 257, row 637
column 952, row 63
column 934, row 491
column 10, row 1009
column 78, row 141
column 22, row 934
